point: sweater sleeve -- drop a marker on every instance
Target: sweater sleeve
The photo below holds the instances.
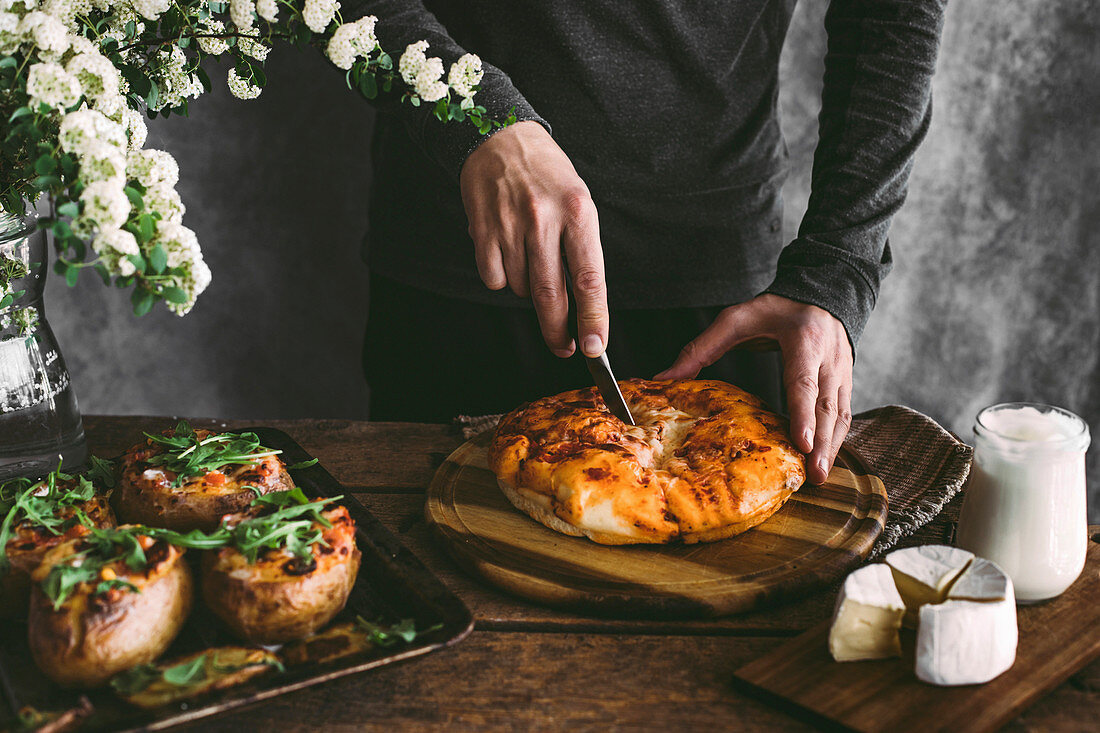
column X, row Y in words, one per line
column 875, row 110
column 401, row 22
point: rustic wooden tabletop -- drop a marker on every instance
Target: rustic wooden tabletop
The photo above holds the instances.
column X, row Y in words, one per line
column 530, row 668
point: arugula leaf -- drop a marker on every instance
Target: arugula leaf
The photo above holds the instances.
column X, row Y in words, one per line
column 135, row 679
column 188, row 456
column 101, row 547
column 102, row 472
column 119, row 583
column 303, row 464
column 404, row 630
column 186, row 673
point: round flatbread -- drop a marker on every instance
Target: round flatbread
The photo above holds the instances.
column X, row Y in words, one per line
column 705, row 461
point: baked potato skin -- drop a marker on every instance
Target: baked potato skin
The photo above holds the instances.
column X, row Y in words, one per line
column 145, row 494
column 31, row 543
column 265, row 603
column 92, row 638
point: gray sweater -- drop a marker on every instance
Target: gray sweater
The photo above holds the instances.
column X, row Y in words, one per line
column 667, row 108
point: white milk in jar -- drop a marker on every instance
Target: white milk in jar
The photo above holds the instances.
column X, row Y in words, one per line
column 1025, row 506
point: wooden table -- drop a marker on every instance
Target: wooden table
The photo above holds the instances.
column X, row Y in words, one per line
column 530, row 668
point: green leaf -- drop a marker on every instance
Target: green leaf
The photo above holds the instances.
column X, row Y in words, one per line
column 158, row 257
column 142, row 301
column 45, row 183
column 21, row 112
column 148, row 227
column 103, row 272
column 135, row 198
column 174, row 295
column 45, row 165
column 186, row 673
column 71, row 276
column 368, row 86
column 7, row 61
column 61, row 229
column 70, row 209
column 204, row 78
column 138, row 262
column 6, row 301
column 303, row 464
column 153, row 96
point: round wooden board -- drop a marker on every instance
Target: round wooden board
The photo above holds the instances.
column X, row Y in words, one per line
column 818, row 535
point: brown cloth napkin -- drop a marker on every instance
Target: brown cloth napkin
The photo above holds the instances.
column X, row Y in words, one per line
column 922, row 465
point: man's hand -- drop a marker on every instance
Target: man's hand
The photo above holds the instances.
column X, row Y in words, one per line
column 817, row 368
column 526, row 205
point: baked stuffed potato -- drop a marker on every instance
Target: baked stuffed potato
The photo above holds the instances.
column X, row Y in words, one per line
column 38, row 516
column 271, row 594
column 186, row 479
column 105, row 602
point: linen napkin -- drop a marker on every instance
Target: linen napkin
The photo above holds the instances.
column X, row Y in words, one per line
column 922, row 465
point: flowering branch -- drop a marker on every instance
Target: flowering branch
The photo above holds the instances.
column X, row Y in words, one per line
column 76, row 77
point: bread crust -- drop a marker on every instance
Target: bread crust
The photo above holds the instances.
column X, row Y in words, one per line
column 706, row 461
column 145, row 494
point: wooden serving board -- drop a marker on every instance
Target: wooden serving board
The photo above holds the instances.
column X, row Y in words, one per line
column 821, row 532
column 1057, row 638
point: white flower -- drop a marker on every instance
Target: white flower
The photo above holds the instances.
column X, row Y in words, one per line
column 105, row 207
column 176, row 84
column 268, row 10
column 113, row 247
column 110, row 104
column 252, row 47
column 182, row 247
column 412, row 61
column 48, row 33
column 352, row 40
column 240, row 12
column 49, row 84
column 136, row 130
column 9, row 22
column 242, row 88
column 102, row 161
column 465, row 74
column 117, row 241
column 97, row 75
column 116, row 28
column 367, row 41
column 65, row 10
column 165, row 200
column 341, row 47
column 80, row 44
column 82, row 129
column 319, row 13
column 213, row 46
column 427, row 84
column 150, row 9
column 152, row 167
column 10, row 39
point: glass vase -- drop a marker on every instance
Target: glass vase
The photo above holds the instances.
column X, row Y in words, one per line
column 39, row 419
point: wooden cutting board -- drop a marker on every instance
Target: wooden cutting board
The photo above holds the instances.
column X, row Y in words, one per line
column 1057, row 638
column 821, row 533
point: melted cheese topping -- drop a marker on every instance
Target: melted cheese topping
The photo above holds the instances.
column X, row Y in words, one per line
column 704, row 461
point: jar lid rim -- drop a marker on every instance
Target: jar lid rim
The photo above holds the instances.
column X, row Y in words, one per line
column 1081, row 433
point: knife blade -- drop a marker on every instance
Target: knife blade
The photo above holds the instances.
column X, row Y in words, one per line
column 599, row 366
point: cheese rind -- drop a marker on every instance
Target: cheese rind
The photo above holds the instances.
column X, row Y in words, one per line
column 983, row 580
column 966, row 642
column 924, row 574
column 867, row 616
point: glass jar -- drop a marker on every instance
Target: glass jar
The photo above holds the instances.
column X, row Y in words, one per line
column 1025, row 504
column 39, row 419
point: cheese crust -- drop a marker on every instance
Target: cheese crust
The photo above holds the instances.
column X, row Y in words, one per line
column 706, row 461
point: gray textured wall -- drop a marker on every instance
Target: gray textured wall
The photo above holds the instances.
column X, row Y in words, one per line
column 995, row 295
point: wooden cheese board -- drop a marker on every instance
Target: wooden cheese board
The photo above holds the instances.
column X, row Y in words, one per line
column 1057, row 638
column 820, row 534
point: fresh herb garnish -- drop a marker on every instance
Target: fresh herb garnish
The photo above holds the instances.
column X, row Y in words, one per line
column 303, row 464
column 101, row 547
column 187, row 673
column 404, row 630
column 40, row 502
column 187, row 455
column 292, row 526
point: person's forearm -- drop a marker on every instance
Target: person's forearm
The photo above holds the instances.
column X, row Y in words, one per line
column 876, row 107
column 401, row 22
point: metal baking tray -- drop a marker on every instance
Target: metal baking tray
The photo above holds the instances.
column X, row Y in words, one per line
column 392, row 585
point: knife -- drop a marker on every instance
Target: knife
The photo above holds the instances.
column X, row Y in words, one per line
column 599, row 367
